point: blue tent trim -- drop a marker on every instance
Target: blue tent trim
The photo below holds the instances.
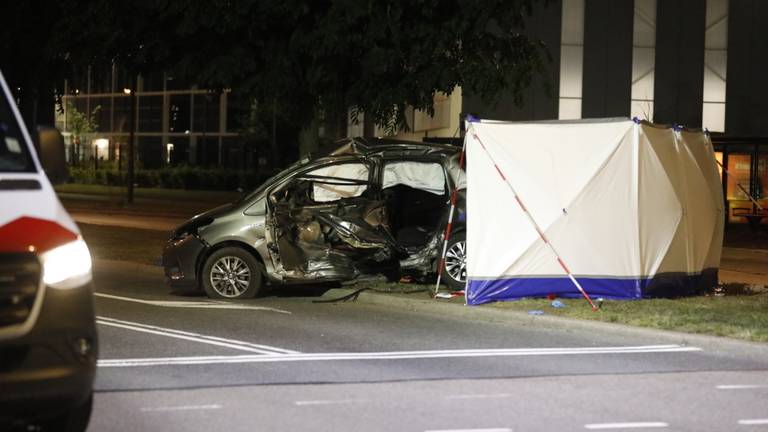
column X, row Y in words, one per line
column 481, row 291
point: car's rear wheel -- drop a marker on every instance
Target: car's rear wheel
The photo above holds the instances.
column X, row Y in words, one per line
column 232, row 273
column 455, row 263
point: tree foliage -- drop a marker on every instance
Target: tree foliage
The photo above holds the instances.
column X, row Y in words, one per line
column 81, row 124
column 376, row 55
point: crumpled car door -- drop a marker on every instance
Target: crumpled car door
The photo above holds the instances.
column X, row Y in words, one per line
column 325, row 225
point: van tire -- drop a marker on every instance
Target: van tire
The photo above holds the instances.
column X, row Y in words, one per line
column 74, row 420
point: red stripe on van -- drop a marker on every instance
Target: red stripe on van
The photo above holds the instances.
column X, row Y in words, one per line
column 28, row 234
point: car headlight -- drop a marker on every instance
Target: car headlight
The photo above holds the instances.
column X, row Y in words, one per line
column 67, row 266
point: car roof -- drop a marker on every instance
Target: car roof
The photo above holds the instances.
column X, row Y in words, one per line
column 386, row 146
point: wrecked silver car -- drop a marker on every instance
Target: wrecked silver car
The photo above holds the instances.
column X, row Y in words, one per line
column 376, row 207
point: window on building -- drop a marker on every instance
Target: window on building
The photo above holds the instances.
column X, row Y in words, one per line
column 206, row 113
column 715, row 65
column 150, row 113
column 643, row 59
column 761, row 179
column 738, row 185
column 571, row 59
column 179, row 113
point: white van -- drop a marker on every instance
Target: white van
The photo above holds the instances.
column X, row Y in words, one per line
column 48, row 343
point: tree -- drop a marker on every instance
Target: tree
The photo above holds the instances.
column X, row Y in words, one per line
column 377, row 56
column 79, row 125
column 305, row 56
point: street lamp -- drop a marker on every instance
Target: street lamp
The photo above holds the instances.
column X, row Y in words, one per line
column 131, row 127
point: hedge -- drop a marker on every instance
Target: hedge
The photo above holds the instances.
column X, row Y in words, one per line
column 181, row 177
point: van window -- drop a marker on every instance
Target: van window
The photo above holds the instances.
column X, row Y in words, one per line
column 14, row 154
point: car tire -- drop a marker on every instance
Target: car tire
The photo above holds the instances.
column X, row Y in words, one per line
column 454, row 270
column 232, row 273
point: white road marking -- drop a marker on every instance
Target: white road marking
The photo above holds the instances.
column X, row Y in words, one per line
column 193, row 304
column 754, row 422
column 394, row 355
column 330, row 402
column 738, row 386
column 181, row 408
column 479, row 396
column 471, row 430
column 628, row 425
column 194, row 337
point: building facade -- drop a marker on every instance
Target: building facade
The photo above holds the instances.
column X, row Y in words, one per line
column 174, row 123
column 698, row 63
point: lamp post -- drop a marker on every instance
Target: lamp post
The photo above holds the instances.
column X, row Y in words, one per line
column 131, row 132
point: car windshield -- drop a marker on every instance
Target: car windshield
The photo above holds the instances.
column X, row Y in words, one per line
column 14, row 154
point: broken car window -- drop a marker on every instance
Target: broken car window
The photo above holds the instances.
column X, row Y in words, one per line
column 426, row 176
column 334, row 182
column 323, row 185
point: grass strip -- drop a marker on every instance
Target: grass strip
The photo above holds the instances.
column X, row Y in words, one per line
column 740, row 313
column 741, row 316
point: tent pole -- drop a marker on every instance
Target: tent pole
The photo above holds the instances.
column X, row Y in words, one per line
column 449, row 226
column 532, row 220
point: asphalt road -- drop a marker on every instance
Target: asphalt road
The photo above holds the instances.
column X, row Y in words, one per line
column 282, row 362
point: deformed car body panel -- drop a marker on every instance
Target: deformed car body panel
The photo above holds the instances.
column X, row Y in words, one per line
column 330, row 218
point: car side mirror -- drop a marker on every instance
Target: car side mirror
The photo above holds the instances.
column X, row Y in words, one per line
column 52, row 154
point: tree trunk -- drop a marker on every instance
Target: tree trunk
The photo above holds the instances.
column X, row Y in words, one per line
column 273, row 147
column 309, row 137
column 369, row 128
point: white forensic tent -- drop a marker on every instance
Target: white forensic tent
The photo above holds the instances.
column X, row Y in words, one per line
column 631, row 210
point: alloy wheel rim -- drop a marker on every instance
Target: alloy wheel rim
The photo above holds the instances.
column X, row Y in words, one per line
column 230, row 276
column 456, row 261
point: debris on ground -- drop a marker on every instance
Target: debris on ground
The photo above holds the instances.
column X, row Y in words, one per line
column 449, row 295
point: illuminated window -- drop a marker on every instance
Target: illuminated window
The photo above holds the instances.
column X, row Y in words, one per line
column 738, row 185
column 738, row 168
column 643, row 59
column 715, row 65
column 719, row 158
column 571, row 59
column 761, row 182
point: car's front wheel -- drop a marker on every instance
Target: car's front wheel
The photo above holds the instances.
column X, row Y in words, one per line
column 232, row 273
column 455, row 263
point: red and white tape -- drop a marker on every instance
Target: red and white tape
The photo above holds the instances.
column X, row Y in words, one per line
column 449, row 226
column 532, row 220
